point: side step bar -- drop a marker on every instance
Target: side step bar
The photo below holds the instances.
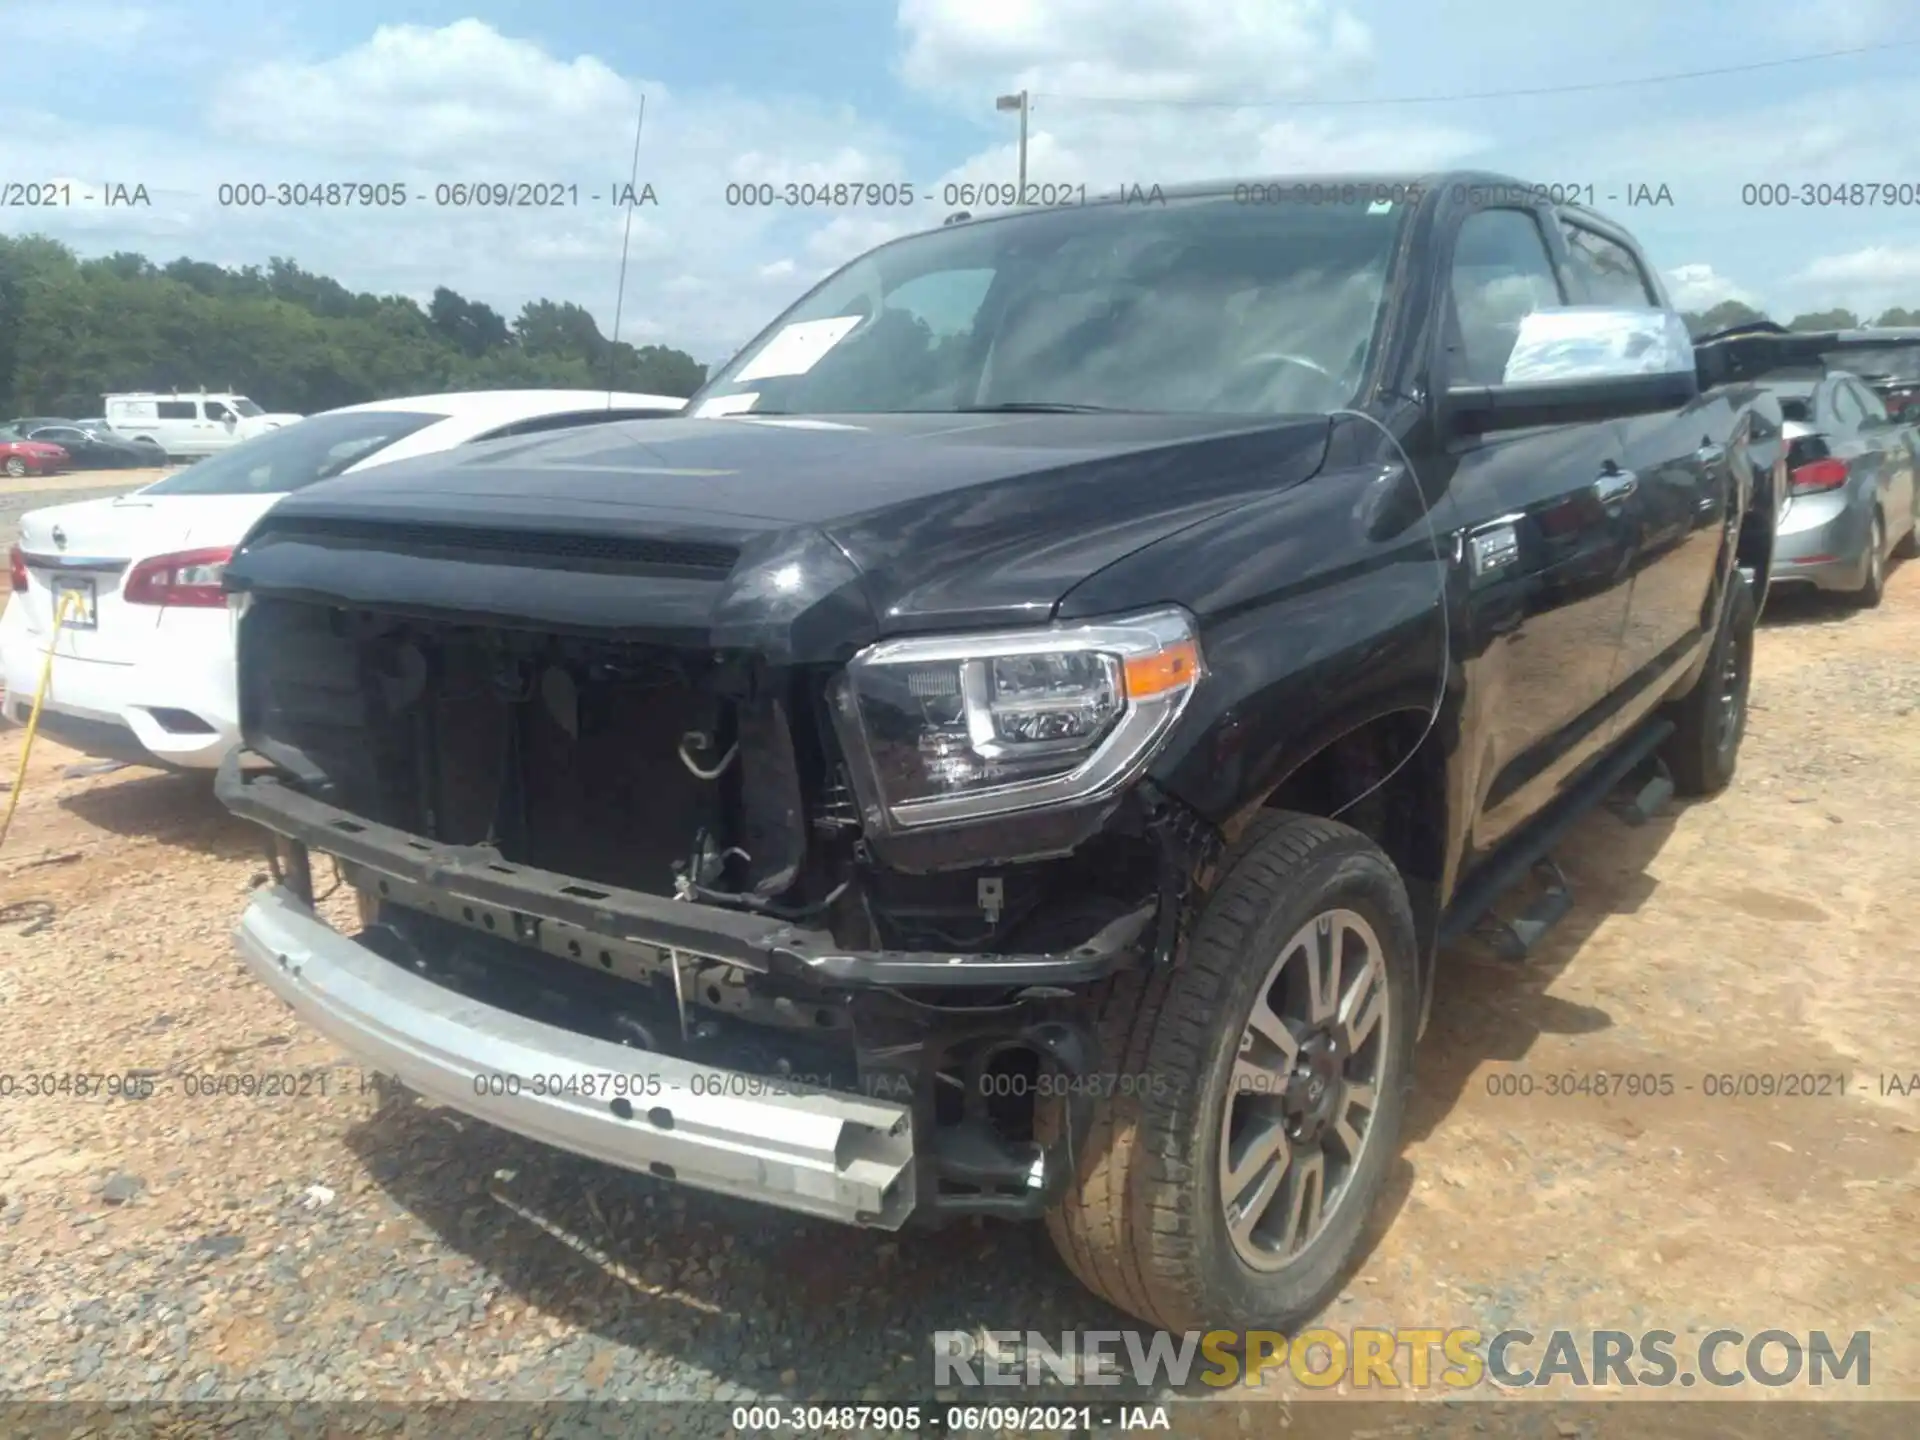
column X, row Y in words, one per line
column 1643, row 792
column 1636, row 764
column 1515, row 939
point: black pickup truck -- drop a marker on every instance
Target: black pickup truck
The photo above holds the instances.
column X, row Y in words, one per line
column 1018, row 745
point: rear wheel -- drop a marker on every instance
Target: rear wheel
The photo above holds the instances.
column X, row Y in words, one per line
column 1874, row 590
column 1228, row 1179
column 1711, row 721
column 16, row 467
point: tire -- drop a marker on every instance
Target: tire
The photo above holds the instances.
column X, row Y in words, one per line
column 16, row 467
column 1711, row 721
column 1874, row 589
column 1142, row 1223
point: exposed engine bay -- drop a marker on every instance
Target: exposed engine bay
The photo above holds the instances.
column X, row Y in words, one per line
column 714, row 780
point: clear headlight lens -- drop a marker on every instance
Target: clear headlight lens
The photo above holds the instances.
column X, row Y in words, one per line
column 961, row 727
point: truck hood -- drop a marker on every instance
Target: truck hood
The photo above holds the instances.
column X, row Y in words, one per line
column 722, row 527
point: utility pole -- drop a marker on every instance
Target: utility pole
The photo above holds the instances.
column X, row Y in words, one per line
column 1018, row 102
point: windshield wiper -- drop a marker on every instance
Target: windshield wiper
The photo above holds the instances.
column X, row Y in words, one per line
column 1041, row 407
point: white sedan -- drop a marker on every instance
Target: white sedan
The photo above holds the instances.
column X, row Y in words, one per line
column 144, row 667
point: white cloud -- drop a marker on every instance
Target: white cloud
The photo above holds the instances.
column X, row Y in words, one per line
column 466, row 103
column 444, row 97
column 1152, row 51
column 1868, row 280
column 1875, row 265
column 1701, row 287
column 1161, row 49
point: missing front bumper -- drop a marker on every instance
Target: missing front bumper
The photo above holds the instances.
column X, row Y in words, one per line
column 752, row 942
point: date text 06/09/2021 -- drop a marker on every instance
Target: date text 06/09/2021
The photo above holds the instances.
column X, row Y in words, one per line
column 1710, row 1085
column 147, row 1083
column 945, row 1420
column 552, row 194
column 644, row 1084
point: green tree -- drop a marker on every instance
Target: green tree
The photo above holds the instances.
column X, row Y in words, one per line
column 73, row 330
column 1825, row 320
column 473, row 328
column 1724, row 316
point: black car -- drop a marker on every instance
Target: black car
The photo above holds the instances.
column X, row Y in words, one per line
column 93, row 449
column 1887, row 360
column 1017, row 747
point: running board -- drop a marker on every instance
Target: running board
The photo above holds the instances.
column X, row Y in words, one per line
column 1506, row 869
column 1643, row 792
column 1515, row 939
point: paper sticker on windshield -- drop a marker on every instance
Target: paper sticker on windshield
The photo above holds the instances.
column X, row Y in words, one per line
column 798, row 348
column 726, row 405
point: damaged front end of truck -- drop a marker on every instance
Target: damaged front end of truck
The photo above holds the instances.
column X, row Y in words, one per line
column 743, row 893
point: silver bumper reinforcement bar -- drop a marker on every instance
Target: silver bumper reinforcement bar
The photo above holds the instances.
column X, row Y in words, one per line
column 839, row 1156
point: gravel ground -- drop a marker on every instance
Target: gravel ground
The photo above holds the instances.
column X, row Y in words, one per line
column 337, row 1243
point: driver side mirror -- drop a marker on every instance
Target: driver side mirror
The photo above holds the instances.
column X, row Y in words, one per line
column 1583, row 362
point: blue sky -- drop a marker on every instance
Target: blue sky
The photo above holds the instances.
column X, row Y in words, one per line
column 183, row 98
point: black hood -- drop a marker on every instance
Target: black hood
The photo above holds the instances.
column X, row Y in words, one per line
column 721, row 528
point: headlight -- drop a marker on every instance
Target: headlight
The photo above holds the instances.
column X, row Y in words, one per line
column 962, row 727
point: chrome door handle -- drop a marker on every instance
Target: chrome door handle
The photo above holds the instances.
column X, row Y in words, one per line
column 1615, row 486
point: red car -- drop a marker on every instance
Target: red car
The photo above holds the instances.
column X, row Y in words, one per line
column 31, row 457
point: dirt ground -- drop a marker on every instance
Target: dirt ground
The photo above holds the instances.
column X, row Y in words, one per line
column 323, row 1244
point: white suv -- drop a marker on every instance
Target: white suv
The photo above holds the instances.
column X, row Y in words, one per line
column 190, row 425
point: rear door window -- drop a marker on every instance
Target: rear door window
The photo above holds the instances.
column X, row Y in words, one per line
column 1606, row 270
column 1868, row 401
column 295, row 456
column 178, row 410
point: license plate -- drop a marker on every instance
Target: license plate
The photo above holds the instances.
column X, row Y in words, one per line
column 79, row 599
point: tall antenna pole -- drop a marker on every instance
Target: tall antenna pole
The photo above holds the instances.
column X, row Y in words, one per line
column 1021, row 103
column 626, row 239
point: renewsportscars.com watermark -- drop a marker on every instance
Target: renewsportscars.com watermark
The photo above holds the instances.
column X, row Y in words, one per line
column 1419, row 1358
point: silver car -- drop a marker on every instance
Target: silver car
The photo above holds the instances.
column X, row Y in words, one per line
column 1854, row 496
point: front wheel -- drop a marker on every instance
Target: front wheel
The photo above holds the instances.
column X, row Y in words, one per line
column 1229, row 1185
column 16, row 467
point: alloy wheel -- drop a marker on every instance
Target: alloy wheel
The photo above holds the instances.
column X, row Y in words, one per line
column 1300, row 1104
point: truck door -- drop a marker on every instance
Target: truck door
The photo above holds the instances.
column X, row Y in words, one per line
column 1544, row 545
column 1677, row 494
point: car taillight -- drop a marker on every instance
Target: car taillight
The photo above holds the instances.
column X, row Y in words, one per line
column 1817, row 475
column 188, row 577
column 17, row 563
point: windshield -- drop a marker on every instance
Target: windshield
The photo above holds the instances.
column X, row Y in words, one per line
column 245, row 407
column 296, row 456
column 1873, row 364
column 1208, row 306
